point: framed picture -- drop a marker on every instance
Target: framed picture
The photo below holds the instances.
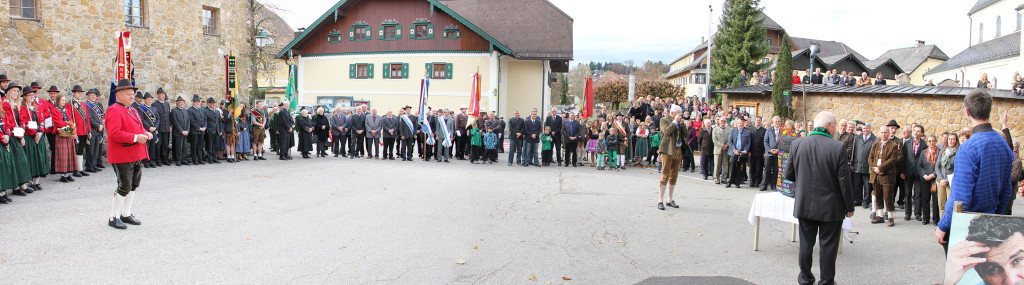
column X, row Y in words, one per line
column 749, row 108
column 984, row 249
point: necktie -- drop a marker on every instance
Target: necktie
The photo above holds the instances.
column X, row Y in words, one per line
column 915, row 146
column 374, row 119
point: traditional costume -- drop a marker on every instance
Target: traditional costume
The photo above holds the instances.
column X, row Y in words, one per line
column 125, row 154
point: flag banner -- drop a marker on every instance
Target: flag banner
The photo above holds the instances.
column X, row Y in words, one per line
column 292, row 85
column 232, row 85
column 588, row 99
column 474, row 100
column 424, row 86
column 124, row 67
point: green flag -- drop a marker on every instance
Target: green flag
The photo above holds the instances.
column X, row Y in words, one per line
column 291, row 92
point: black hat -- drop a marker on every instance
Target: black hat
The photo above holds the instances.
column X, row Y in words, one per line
column 35, row 85
column 147, row 96
column 210, row 100
column 180, row 99
column 280, row 104
column 892, row 123
column 12, row 86
column 138, row 95
column 93, row 91
column 195, row 98
column 77, row 88
column 53, row 89
column 160, row 90
column 125, row 84
column 3, row 78
column 407, row 107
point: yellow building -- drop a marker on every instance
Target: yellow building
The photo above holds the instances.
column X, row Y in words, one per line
column 916, row 60
column 376, row 52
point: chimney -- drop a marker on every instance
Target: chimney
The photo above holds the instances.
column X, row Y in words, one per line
column 919, row 43
column 701, row 39
column 300, row 32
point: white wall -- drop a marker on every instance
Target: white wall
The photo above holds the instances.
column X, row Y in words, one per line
column 988, row 16
column 1000, row 72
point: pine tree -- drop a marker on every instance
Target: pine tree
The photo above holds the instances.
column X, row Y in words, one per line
column 783, row 79
column 739, row 44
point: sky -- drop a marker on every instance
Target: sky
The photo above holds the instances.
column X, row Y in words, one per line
column 663, row 30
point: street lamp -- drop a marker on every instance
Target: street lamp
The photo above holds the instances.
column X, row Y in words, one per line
column 814, row 51
column 262, row 39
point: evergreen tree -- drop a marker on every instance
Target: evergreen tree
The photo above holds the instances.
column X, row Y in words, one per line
column 783, row 79
column 739, row 44
column 564, row 81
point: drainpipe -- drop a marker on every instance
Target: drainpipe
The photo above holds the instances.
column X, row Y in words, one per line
column 497, row 104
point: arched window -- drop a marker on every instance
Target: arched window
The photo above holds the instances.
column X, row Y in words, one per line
column 981, row 32
column 999, row 26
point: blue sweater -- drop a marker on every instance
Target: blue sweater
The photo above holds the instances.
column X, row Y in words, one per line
column 981, row 175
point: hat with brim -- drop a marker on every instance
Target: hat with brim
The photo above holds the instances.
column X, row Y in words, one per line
column 93, row 92
column 12, row 86
column 195, row 98
column 463, row 107
column 160, row 90
column 53, row 89
column 892, row 123
column 138, row 95
column 125, row 84
column 77, row 88
column 35, row 85
column 147, row 96
column 27, row 92
column 210, row 100
column 180, row 99
column 3, row 78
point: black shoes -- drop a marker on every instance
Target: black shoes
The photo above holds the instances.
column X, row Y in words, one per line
column 661, row 206
column 131, row 220
column 83, row 173
column 117, row 224
column 672, row 204
column 62, row 179
column 727, row 185
column 75, row 174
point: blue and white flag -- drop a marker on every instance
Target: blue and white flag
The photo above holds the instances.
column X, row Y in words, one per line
column 424, row 86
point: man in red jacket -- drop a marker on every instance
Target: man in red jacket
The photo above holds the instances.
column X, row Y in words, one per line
column 82, row 127
column 126, row 149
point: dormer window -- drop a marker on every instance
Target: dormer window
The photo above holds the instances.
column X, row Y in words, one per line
column 334, row 37
column 360, row 32
column 389, row 31
column 452, row 32
column 421, row 30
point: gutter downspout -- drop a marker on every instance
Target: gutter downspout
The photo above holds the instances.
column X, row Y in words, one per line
column 497, row 95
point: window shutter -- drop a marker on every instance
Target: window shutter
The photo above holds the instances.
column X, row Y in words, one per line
column 430, row 31
column 352, row 34
column 380, row 33
column 387, row 70
column 398, row 32
column 448, row 70
column 405, row 70
column 412, row 32
column 369, row 70
column 351, row 71
column 430, row 70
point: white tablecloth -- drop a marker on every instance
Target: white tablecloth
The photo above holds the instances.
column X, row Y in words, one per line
column 779, row 207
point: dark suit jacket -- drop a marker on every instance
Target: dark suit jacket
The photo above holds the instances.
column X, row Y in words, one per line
column 163, row 115
column 821, row 175
column 179, row 120
column 516, row 125
column 533, row 127
column 707, row 145
column 284, row 121
column 213, row 124
column 196, row 120
column 95, row 119
column 757, row 141
column 358, row 123
column 572, row 129
column 910, row 157
column 555, row 122
column 861, row 151
column 848, row 140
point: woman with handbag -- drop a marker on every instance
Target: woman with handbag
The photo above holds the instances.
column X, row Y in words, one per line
column 927, row 201
column 64, row 145
column 21, row 167
column 36, row 146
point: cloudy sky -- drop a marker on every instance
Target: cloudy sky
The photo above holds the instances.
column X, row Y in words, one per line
column 608, row 30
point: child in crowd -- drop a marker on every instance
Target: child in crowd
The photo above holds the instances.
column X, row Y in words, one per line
column 600, row 150
column 476, row 144
column 611, row 142
column 491, row 145
column 545, row 149
column 652, row 153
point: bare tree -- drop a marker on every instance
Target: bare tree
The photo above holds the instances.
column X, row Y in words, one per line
column 261, row 47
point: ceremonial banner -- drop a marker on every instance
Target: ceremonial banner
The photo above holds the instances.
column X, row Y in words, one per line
column 124, row 67
column 588, row 99
column 292, row 85
column 474, row 100
column 231, row 85
column 424, row 86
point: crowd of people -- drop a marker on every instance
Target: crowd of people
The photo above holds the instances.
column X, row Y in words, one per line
column 831, row 78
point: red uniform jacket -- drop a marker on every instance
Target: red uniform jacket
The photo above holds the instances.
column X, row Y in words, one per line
column 123, row 124
column 24, row 117
column 82, row 127
column 9, row 118
column 49, row 111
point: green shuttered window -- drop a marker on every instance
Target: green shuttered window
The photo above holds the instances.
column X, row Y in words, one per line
column 360, row 71
column 439, row 70
column 395, row 70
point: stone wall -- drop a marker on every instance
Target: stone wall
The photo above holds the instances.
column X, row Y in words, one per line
column 936, row 113
column 74, row 42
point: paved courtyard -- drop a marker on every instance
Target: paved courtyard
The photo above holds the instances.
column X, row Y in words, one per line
column 361, row 221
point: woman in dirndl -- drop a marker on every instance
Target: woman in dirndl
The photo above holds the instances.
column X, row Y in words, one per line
column 21, row 167
column 244, row 145
column 641, row 143
column 36, row 146
column 64, row 147
column 8, row 180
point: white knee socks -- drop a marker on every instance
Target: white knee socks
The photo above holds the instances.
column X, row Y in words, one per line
column 671, row 189
column 127, row 209
column 80, row 161
column 661, row 193
column 115, row 206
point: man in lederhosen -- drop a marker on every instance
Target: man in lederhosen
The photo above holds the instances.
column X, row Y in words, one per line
column 82, row 130
column 162, row 109
column 126, row 149
column 179, row 121
column 92, row 151
column 258, row 119
column 197, row 130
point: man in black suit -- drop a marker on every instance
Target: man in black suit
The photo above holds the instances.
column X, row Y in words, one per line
column 285, row 128
column 516, row 131
column 358, row 132
column 572, row 133
column 533, row 130
column 554, row 121
column 162, row 108
column 913, row 150
column 824, row 195
column 757, row 153
column 406, row 133
column 197, row 129
column 213, row 133
column 179, row 120
column 861, row 149
column 96, row 122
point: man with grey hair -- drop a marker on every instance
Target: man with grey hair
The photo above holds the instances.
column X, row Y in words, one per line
column 673, row 137
column 373, row 129
column 339, row 132
column 824, row 197
column 720, row 137
column 861, row 171
column 516, row 131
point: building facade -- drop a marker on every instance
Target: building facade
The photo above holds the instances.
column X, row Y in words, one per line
column 995, row 46
column 376, row 52
column 178, row 45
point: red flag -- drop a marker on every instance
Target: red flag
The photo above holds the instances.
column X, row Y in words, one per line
column 588, row 99
column 474, row 100
column 124, row 55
